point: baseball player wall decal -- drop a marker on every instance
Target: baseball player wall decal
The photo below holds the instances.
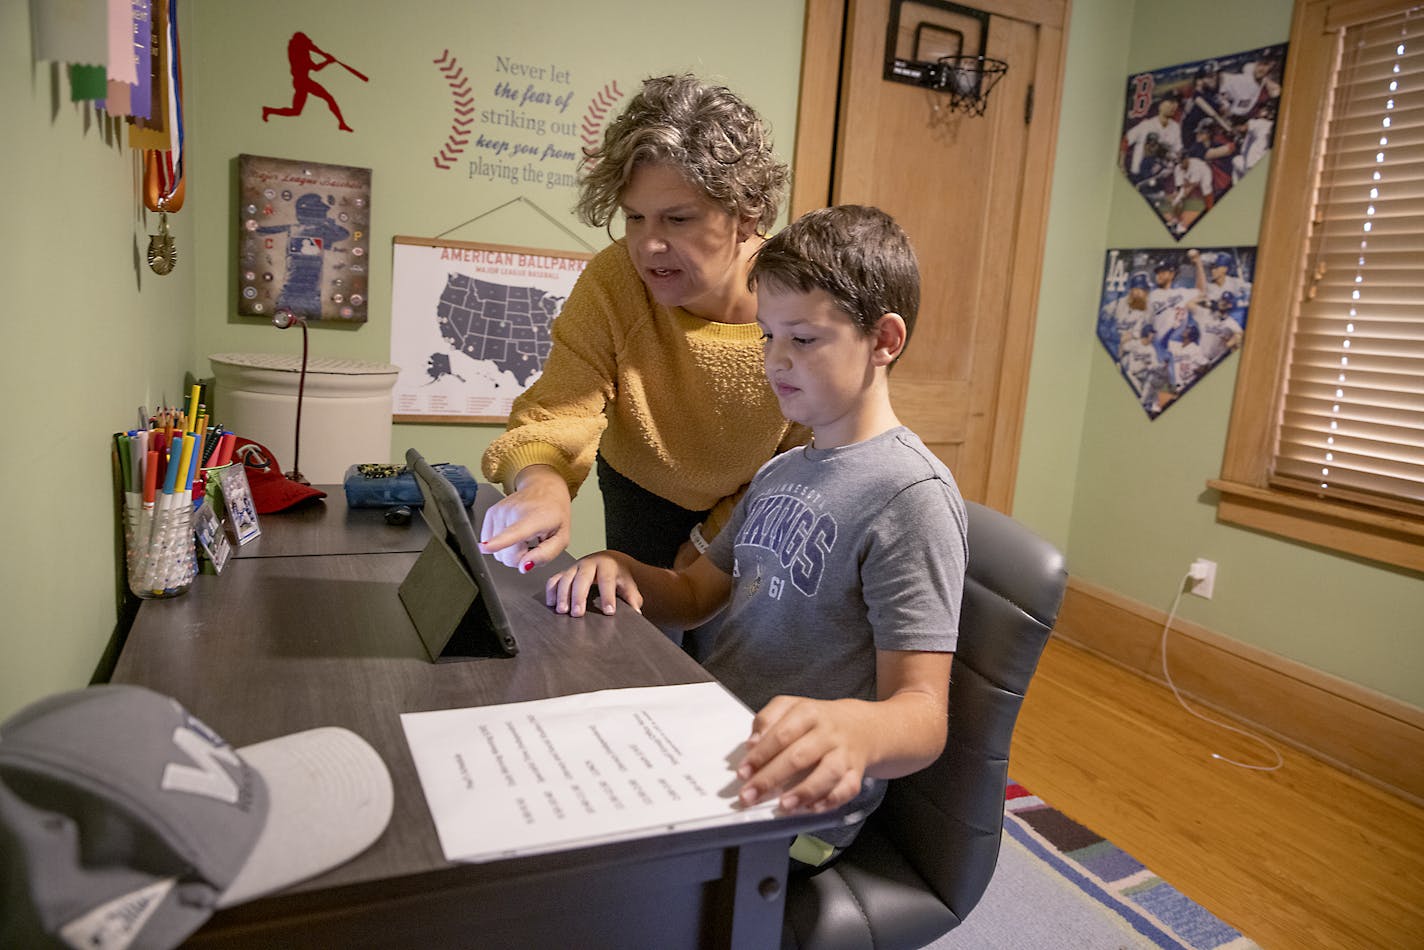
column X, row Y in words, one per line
column 302, row 57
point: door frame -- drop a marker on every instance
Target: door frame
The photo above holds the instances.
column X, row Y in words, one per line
column 817, row 118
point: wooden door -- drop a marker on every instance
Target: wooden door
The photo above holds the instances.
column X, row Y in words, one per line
column 971, row 192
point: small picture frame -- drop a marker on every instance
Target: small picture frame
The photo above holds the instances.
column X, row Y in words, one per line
column 213, row 541
column 240, row 511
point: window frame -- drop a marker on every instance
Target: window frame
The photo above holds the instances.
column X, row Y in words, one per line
column 1246, row 498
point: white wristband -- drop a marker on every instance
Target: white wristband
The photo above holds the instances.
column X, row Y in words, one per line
column 698, row 541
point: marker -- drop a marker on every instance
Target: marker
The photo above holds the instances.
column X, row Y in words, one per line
column 150, row 480
column 223, row 456
column 184, row 482
column 154, row 569
column 158, row 442
column 193, row 406
column 121, row 445
column 142, row 457
column 143, row 537
column 136, row 454
column 170, row 473
column 172, row 516
column 194, row 456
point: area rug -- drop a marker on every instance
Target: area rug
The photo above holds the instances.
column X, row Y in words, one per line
column 1060, row 885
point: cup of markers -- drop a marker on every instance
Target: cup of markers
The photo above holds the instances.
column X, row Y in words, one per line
column 159, row 466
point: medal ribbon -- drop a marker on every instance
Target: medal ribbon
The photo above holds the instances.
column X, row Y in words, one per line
column 163, row 170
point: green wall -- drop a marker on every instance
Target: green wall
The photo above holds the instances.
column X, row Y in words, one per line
column 91, row 333
column 1125, row 496
column 1089, row 123
column 88, row 334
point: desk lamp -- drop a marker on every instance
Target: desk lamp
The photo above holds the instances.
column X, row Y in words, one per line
column 283, row 319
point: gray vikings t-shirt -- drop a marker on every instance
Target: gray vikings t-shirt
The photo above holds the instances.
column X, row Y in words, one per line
column 835, row 554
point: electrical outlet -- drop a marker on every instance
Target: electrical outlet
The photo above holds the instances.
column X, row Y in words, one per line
column 1203, row 577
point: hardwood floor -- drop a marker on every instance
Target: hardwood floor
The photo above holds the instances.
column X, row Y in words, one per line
column 1303, row 857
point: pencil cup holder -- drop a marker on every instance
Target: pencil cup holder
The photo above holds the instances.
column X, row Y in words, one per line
column 158, row 548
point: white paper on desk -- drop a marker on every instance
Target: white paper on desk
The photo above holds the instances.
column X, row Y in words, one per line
column 526, row 778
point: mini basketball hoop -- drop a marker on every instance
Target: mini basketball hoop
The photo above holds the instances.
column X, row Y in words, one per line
column 967, row 81
column 930, row 51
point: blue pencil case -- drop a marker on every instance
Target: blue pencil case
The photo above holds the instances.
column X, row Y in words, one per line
column 384, row 486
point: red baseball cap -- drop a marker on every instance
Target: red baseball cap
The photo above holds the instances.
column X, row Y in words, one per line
column 271, row 490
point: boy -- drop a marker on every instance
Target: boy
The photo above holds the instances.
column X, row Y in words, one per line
column 841, row 569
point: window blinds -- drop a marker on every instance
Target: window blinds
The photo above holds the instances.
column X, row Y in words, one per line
column 1352, row 419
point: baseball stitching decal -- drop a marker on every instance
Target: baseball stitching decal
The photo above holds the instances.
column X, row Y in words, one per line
column 591, row 128
column 464, row 110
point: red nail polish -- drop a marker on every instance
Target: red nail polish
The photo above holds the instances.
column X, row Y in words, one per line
column 528, row 566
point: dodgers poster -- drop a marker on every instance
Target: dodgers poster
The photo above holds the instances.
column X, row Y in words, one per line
column 1168, row 316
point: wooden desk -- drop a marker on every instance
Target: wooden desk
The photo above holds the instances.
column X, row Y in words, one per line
column 277, row 644
column 327, row 526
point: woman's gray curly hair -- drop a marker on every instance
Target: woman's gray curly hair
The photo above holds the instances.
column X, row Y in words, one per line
column 706, row 132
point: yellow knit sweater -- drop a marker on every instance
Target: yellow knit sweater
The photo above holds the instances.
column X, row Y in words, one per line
column 678, row 404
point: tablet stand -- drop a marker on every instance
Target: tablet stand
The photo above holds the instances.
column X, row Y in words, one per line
column 444, row 603
column 442, row 592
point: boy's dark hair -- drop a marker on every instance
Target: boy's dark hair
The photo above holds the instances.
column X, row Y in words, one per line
column 856, row 254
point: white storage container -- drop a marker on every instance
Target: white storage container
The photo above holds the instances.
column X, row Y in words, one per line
column 346, row 409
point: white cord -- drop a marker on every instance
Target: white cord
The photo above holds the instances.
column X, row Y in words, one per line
column 1176, row 601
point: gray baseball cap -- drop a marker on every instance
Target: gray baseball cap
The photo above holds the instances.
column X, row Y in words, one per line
column 125, row 821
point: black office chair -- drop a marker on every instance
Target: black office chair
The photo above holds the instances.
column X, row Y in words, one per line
column 926, row 855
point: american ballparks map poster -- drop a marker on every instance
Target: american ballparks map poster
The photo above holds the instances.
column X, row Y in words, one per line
column 470, row 325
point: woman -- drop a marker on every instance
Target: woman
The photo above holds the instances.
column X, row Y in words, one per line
column 655, row 374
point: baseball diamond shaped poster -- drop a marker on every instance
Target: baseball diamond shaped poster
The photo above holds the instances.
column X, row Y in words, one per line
column 1169, row 316
column 1192, row 131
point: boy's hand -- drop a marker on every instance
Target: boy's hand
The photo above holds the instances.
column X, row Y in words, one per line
column 813, row 753
column 567, row 592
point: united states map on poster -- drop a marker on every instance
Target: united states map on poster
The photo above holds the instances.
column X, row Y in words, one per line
column 506, row 324
column 470, row 325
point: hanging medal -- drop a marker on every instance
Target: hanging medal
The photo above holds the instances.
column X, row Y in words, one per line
column 162, row 192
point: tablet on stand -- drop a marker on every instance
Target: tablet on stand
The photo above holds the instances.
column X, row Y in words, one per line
column 449, row 593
